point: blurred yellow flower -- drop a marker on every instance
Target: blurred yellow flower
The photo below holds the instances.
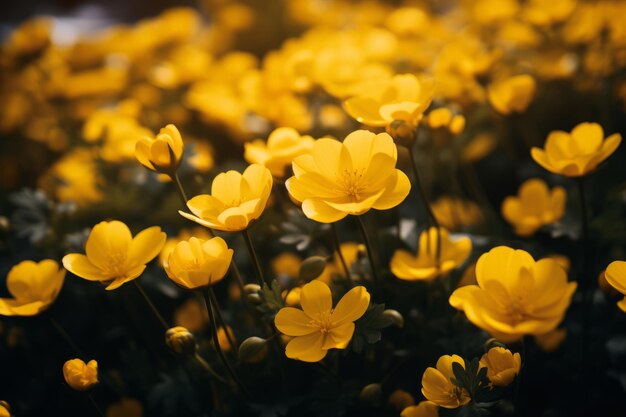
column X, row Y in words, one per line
column 287, row 263
column 478, row 147
column 126, row 407
column 235, row 200
column 162, row 153
column 515, row 295
column 512, row 95
column 616, row 276
column 381, row 101
column 551, row 341
column 5, row 409
column 534, row 207
column 337, row 179
column 453, row 213
column 222, row 338
column 197, row 263
column 283, row 145
column 423, row 266
column 191, row 315
column 30, row 37
column 442, row 118
column 423, row 409
column 547, row 12
column 318, row 326
column 577, row 153
column 113, row 256
column 34, row 286
column 400, row 399
column 502, row 365
column 438, row 387
column 80, row 376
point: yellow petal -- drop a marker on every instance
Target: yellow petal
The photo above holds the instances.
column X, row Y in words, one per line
column 145, row 246
column 306, row 348
column 351, row 306
column 316, row 299
column 293, row 322
column 79, row 265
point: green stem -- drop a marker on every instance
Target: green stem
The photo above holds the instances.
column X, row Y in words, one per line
column 344, row 264
column 59, row 328
column 220, row 318
column 179, row 188
column 95, row 404
column 253, row 255
column 370, row 252
column 204, row 365
column 151, row 305
column 585, row 279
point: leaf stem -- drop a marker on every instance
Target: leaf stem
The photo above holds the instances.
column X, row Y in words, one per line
column 151, row 305
column 370, row 252
column 339, row 253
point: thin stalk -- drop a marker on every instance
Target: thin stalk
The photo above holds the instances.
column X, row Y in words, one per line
column 59, row 328
column 368, row 247
column 585, row 281
column 151, row 305
column 216, row 343
column 222, row 323
column 179, row 188
column 95, row 404
column 344, row 264
column 204, row 365
column 253, row 255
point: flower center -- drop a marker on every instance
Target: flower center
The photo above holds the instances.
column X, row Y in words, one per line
column 352, row 184
column 115, row 264
column 322, row 321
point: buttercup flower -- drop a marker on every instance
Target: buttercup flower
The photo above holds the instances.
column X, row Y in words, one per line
column 180, row 340
column 534, row 206
column 381, row 101
column 577, row 153
column 5, row 409
column 453, row 213
column 438, row 387
column 337, row 179
column 162, row 153
column 423, row 409
column 502, row 365
column 235, row 200
column 551, row 341
column 34, row 287
column 423, row 266
column 515, row 295
column 512, row 95
column 80, row 376
column 283, row 145
column 318, row 326
column 616, row 276
column 113, row 256
column 196, row 263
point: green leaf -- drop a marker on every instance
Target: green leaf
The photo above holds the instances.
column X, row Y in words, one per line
column 368, row 327
column 271, row 300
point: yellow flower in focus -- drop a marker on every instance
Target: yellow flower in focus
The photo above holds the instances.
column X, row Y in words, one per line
column 442, row 118
column 235, row 200
column 423, row 266
column 80, row 376
column 162, row 153
column 381, row 101
column 318, row 326
column 535, row 206
column 512, row 95
column 453, row 213
column 616, row 276
column 126, row 407
column 184, row 234
column 197, row 263
column 423, row 409
column 577, row 153
column 337, row 179
column 502, row 365
column 34, row 287
column 515, row 295
column 438, row 387
column 283, row 145
column 113, row 256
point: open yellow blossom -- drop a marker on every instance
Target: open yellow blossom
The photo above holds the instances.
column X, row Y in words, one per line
column 381, row 101
column 577, row 153
column 453, row 213
column 79, row 375
column 34, row 287
column 184, row 234
column 502, row 365
column 423, row 409
column 197, row 263
column 235, row 200
column 162, row 153
column 534, row 207
column 515, row 295
column 337, row 179
column 283, row 145
column 616, row 276
column 512, row 95
column 319, row 327
column 423, row 266
column 113, row 256
column 438, row 387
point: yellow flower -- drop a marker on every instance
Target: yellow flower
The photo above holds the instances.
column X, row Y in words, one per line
column 180, row 340
column 287, row 263
column 113, row 256
column 577, row 153
column 423, row 409
column 479, row 147
column 337, row 179
column 502, row 365
column 512, row 95
column 222, row 338
column 534, row 206
column 235, row 200
column 184, row 234
column 515, row 295
column 318, row 326
column 438, row 387
column 283, row 145
column 442, row 118
column 162, row 153
column 548, row 12
column 452, row 213
column 423, row 266
column 191, row 315
column 80, row 376
column 34, row 286
column 5, row 409
column 550, row 342
column 616, row 276
column 381, row 101
column 196, row 263
column 401, row 399
column 126, row 407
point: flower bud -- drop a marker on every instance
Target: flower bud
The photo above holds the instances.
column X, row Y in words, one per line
column 180, row 340
column 5, row 409
column 80, row 376
column 371, row 394
column 253, row 349
column 251, row 289
column 395, row 317
column 402, row 132
column 162, row 153
column 5, row 224
column 491, row 343
column 502, row 365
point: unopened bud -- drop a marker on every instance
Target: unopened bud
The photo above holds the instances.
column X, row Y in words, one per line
column 491, row 343
column 395, row 317
column 181, row 340
column 251, row 289
column 371, row 394
column 403, row 133
column 5, row 409
column 253, row 349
